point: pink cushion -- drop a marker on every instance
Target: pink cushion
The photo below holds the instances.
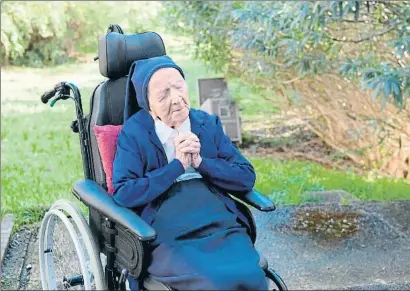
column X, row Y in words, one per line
column 106, row 136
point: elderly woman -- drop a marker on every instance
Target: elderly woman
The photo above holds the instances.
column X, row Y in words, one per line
column 174, row 166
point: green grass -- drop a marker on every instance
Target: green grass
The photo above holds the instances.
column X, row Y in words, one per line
column 41, row 155
column 287, row 182
column 40, row 161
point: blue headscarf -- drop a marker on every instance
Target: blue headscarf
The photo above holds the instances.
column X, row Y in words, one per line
column 139, row 75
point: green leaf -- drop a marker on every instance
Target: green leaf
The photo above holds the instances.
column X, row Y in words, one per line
column 387, row 87
column 377, row 90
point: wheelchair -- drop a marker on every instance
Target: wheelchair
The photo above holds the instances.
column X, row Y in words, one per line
column 111, row 242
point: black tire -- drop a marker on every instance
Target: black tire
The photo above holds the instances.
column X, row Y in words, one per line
column 279, row 284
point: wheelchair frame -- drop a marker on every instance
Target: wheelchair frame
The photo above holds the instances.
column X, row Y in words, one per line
column 115, row 231
column 114, row 280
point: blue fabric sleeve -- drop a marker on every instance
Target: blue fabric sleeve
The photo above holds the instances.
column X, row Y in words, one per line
column 133, row 187
column 230, row 171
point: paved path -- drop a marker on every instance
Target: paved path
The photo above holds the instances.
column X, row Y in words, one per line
column 374, row 257
column 6, row 228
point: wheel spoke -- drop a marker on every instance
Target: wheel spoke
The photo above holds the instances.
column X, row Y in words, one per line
column 69, row 259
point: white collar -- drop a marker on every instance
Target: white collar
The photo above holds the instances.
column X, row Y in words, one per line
column 164, row 131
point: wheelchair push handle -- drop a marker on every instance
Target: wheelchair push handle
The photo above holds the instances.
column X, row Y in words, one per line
column 61, row 89
column 47, row 96
column 67, row 90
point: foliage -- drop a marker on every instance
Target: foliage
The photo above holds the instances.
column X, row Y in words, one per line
column 203, row 26
column 47, row 33
column 25, row 27
column 365, row 41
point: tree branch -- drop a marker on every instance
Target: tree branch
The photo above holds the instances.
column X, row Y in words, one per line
column 353, row 21
column 365, row 38
column 291, row 80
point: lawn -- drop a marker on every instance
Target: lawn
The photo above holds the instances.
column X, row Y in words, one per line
column 40, row 156
column 289, row 182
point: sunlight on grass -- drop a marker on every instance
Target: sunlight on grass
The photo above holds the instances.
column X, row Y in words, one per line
column 287, row 182
column 40, row 161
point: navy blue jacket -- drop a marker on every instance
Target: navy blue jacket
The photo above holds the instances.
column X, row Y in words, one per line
column 141, row 172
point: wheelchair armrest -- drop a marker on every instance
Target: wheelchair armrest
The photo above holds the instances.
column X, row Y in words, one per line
column 258, row 200
column 94, row 196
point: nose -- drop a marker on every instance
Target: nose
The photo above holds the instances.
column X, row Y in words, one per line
column 176, row 97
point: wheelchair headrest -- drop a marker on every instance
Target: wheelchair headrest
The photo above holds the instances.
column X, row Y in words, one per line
column 117, row 51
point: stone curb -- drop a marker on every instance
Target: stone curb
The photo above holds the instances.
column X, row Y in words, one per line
column 7, row 224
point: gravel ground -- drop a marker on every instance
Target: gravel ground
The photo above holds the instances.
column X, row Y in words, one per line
column 14, row 272
column 372, row 253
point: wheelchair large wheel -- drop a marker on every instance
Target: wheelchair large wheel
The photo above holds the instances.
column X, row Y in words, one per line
column 276, row 282
column 69, row 257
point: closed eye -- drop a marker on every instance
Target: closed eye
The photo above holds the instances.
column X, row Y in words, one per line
column 164, row 94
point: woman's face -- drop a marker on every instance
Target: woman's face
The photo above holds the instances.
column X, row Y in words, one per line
column 168, row 97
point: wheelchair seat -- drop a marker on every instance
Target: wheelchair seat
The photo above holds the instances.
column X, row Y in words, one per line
column 121, row 235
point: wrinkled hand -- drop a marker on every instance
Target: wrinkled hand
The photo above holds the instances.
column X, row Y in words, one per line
column 188, row 147
column 184, row 158
column 196, row 160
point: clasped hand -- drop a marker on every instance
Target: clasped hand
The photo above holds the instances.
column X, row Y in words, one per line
column 187, row 149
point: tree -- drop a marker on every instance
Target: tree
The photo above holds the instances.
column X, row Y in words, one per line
column 365, row 41
column 37, row 33
column 314, row 54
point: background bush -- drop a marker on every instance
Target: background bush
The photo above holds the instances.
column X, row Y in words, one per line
column 305, row 56
column 365, row 41
column 48, row 33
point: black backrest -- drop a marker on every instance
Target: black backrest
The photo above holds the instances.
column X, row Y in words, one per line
column 117, row 52
column 107, row 107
